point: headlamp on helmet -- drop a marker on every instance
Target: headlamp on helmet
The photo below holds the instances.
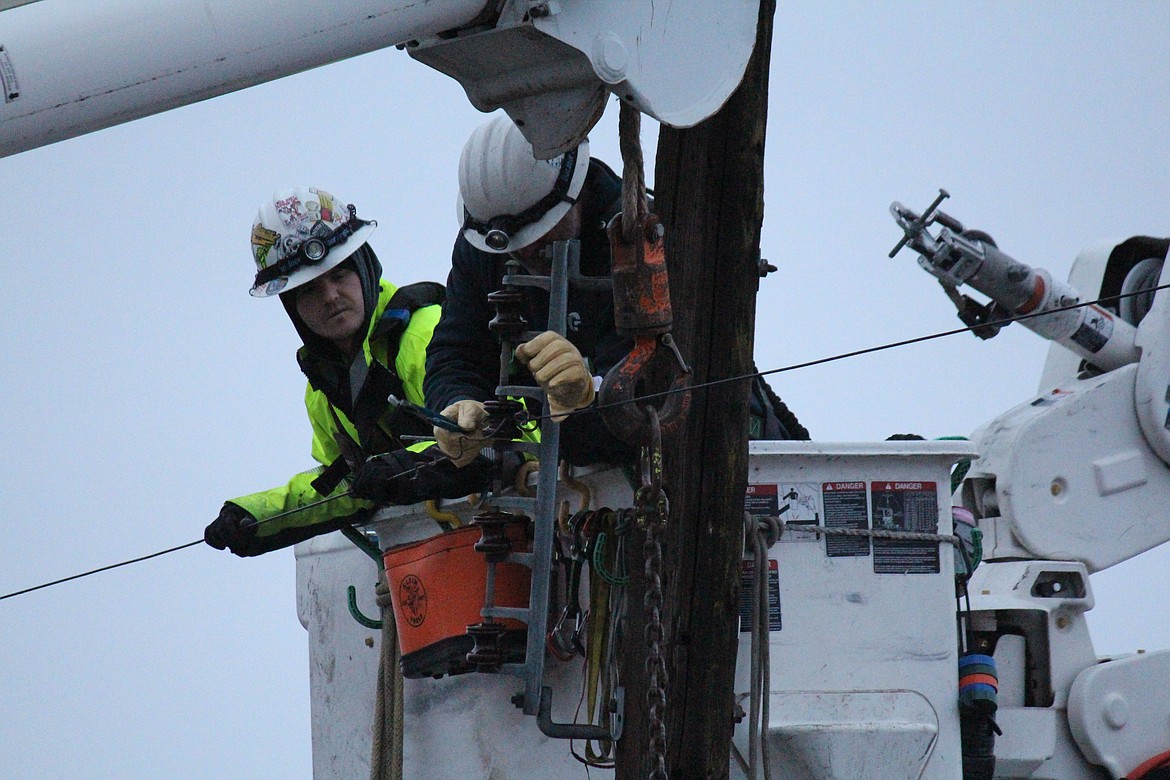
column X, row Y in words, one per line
column 499, row 230
column 301, row 234
column 509, row 199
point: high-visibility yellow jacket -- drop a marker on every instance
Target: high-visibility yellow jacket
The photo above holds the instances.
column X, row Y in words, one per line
column 335, row 416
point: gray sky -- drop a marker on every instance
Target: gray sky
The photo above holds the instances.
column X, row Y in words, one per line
column 143, row 386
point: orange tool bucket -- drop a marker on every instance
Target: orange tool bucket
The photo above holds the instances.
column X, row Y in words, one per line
column 438, row 585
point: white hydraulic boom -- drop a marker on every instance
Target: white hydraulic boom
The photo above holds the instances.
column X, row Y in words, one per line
column 1096, row 445
column 1070, row 482
column 69, row 67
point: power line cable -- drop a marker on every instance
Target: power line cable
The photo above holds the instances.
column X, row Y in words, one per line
column 194, row 543
column 649, row 396
column 866, row 351
column 160, row 552
column 101, row 569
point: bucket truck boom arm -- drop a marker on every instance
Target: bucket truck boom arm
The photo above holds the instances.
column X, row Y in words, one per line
column 69, row 67
column 1071, row 481
column 1079, row 472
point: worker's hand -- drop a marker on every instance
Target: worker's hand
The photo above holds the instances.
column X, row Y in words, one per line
column 404, row 477
column 234, row 529
column 561, row 372
column 461, row 448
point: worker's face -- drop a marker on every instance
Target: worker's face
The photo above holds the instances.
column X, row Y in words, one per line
column 534, row 257
column 332, row 305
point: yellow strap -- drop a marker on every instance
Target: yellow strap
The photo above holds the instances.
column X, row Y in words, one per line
column 435, row 513
column 598, row 641
column 598, row 628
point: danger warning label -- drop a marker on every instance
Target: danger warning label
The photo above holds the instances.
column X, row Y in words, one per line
column 762, row 501
column 905, row 506
column 747, row 575
column 845, row 507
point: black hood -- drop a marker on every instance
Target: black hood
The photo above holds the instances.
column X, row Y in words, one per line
column 602, row 199
column 369, row 271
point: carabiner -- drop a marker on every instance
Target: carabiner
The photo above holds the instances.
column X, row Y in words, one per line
column 562, row 638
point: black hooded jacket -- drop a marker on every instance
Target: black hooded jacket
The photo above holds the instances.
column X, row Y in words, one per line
column 462, row 360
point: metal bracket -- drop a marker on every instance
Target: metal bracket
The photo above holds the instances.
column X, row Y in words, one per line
column 351, row 598
column 536, row 698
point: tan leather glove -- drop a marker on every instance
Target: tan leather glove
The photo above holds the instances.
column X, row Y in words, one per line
column 560, row 371
column 460, row 448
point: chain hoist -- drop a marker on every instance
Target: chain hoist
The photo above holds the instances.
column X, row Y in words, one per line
column 642, row 311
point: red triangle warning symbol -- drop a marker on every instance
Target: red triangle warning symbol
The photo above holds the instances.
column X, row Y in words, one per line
column 889, row 486
column 828, row 487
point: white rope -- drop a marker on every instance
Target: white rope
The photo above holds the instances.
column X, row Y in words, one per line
column 386, row 752
column 763, row 532
column 875, row 533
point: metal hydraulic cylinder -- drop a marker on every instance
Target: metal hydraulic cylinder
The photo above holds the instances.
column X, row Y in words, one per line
column 1099, row 336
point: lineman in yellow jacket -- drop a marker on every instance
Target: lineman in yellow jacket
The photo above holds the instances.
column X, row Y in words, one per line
column 364, row 340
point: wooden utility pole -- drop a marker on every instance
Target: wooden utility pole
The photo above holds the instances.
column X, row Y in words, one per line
column 709, row 195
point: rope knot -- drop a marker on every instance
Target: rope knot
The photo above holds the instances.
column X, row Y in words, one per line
column 766, row 528
column 382, row 593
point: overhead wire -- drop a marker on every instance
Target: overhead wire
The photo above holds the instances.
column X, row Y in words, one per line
column 101, row 569
column 169, row 550
column 162, row 552
column 857, row 352
column 651, row 396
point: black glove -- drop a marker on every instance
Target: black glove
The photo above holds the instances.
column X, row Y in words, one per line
column 234, row 529
column 405, row 477
column 384, row 478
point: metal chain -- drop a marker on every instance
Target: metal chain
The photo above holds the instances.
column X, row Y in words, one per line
column 651, row 509
column 650, row 504
column 655, row 665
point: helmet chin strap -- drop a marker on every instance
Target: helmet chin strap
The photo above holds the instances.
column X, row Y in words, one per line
column 569, row 227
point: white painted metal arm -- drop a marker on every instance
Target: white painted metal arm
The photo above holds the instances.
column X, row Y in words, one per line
column 70, row 67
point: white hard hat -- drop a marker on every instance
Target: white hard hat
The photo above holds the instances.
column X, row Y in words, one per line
column 301, row 233
column 508, row 198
